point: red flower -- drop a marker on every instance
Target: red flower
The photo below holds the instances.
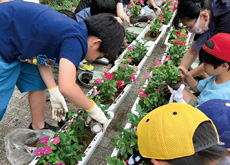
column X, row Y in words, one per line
column 108, row 75
column 141, row 90
column 182, row 43
column 143, row 95
column 120, row 84
column 164, row 9
column 176, row 42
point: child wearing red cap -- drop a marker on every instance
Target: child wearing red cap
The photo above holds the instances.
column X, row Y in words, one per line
column 215, row 54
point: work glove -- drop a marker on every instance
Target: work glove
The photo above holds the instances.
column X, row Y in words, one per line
column 59, row 107
column 97, row 114
column 177, row 94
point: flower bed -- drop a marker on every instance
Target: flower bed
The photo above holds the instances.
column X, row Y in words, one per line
column 74, row 144
column 114, row 87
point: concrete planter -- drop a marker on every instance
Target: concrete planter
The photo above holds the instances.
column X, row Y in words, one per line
column 92, row 146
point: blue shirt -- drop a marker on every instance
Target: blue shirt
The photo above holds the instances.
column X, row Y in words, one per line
column 37, row 34
column 219, row 23
column 83, row 14
column 210, row 90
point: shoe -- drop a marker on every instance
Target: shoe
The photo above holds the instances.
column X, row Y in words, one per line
column 47, row 126
column 85, row 66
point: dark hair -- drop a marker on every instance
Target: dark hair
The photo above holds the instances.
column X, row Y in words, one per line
column 109, row 30
column 203, row 133
column 210, row 59
column 190, row 9
column 68, row 13
column 103, row 6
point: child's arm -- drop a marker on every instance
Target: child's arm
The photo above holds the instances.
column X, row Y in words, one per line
column 189, row 79
column 59, row 107
column 69, row 88
column 155, row 6
column 121, row 13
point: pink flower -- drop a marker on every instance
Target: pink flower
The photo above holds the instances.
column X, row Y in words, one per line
column 60, row 163
column 132, row 76
column 143, row 95
column 97, row 81
column 134, row 80
column 160, row 15
column 161, row 18
column 130, row 47
column 186, row 35
column 71, row 121
column 147, row 76
column 176, row 42
column 95, row 93
column 125, row 40
column 67, row 130
column 131, row 134
column 108, row 75
column 69, row 105
column 141, row 1
column 126, row 45
column 167, row 58
column 182, row 43
column 56, row 140
column 129, row 60
column 120, row 84
column 139, row 7
column 47, row 149
column 44, row 140
column 136, row 68
column 141, row 90
column 134, row 128
column 39, row 152
column 158, row 63
column 157, row 90
column 124, row 65
column 81, row 118
column 170, row 10
column 164, row 9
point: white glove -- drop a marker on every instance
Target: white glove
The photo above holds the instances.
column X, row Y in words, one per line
column 177, row 94
column 59, row 107
column 97, row 114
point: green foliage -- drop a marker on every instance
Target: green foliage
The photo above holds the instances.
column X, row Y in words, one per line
column 134, row 119
column 123, row 73
column 156, row 25
column 176, row 53
column 173, row 73
column 126, row 141
column 114, row 161
column 177, row 34
column 136, row 52
column 61, row 4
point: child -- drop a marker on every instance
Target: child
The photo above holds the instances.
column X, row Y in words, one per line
column 178, row 134
column 215, row 56
column 35, row 34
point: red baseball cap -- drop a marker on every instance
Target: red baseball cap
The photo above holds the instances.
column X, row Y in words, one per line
column 219, row 46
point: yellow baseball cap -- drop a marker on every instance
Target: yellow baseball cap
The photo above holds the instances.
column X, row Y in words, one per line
column 167, row 132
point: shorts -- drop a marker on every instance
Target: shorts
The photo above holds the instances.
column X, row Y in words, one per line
column 25, row 76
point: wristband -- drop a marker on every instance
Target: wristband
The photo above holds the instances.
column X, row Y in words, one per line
column 52, row 87
column 91, row 107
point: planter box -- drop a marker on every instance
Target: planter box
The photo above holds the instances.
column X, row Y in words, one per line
column 167, row 38
column 117, row 102
column 92, row 146
column 171, row 20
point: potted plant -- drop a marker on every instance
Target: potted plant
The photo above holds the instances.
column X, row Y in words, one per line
column 134, row 10
column 155, row 28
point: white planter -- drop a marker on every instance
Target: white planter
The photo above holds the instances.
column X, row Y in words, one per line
column 167, row 38
column 116, row 151
column 117, row 102
column 92, row 146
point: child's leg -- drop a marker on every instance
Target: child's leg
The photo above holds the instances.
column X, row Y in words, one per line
column 187, row 96
column 37, row 102
column 31, row 81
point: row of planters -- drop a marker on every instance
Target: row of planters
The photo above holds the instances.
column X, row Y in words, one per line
column 75, row 143
column 152, row 95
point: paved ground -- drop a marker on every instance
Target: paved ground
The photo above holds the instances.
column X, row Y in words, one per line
column 18, row 112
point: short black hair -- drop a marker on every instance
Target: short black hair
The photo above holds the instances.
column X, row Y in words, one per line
column 68, row 13
column 103, row 6
column 210, row 59
column 190, row 9
column 203, row 133
column 109, row 30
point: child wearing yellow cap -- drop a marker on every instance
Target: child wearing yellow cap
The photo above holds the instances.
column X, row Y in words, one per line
column 178, row 134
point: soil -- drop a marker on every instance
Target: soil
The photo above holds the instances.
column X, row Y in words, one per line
column 150, row 37
column 115, row 96
column 177, row 85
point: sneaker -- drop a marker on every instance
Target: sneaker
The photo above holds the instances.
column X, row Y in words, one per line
column 85, row 66
column 47, row 126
